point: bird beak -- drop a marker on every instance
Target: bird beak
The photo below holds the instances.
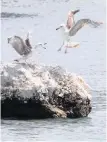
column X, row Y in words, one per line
column 76, row 11
column 44, row 45
column 58, row 28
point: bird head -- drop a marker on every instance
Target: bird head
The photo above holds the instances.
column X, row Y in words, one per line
column 75, row 11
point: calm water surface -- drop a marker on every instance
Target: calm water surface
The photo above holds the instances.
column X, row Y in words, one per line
column 41, row 18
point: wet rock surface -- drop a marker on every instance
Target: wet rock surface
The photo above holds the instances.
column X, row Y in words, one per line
column 37, row 91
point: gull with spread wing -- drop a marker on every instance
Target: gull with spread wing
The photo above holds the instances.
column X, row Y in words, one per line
column 22, row 47
column 71, row 28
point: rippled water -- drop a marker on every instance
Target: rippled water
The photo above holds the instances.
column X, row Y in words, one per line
column 41, row 18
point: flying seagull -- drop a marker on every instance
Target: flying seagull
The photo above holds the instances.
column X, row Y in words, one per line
column 71, row 28
column 22, row 47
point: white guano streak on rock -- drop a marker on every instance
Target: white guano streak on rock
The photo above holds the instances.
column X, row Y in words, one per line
column 30, row 77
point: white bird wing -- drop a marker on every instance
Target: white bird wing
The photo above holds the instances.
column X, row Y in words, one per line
column 82, row 22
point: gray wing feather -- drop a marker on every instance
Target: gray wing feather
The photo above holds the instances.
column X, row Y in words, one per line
column 21, row 47
column 80, row 23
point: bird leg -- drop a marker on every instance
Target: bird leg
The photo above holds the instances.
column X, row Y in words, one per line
column 25, row 57
column 61, row 47
column 22, row 58
column 67, row 45
column 66, row 49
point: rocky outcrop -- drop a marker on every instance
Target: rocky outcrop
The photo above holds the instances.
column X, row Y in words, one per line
column 36, row 91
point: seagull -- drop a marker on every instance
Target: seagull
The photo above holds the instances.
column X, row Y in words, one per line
column 22, row 47
column 71, row 28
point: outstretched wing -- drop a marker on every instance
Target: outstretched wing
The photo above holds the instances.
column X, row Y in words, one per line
column 82, row 22
column 27, row 41
column 17, row 43
column 20, row 46
column 70, row 20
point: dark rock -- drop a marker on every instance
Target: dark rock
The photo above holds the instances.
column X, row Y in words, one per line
column 32, row 91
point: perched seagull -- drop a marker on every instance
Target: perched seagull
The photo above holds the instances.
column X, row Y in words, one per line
column 71, row 28
column 24, row 48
